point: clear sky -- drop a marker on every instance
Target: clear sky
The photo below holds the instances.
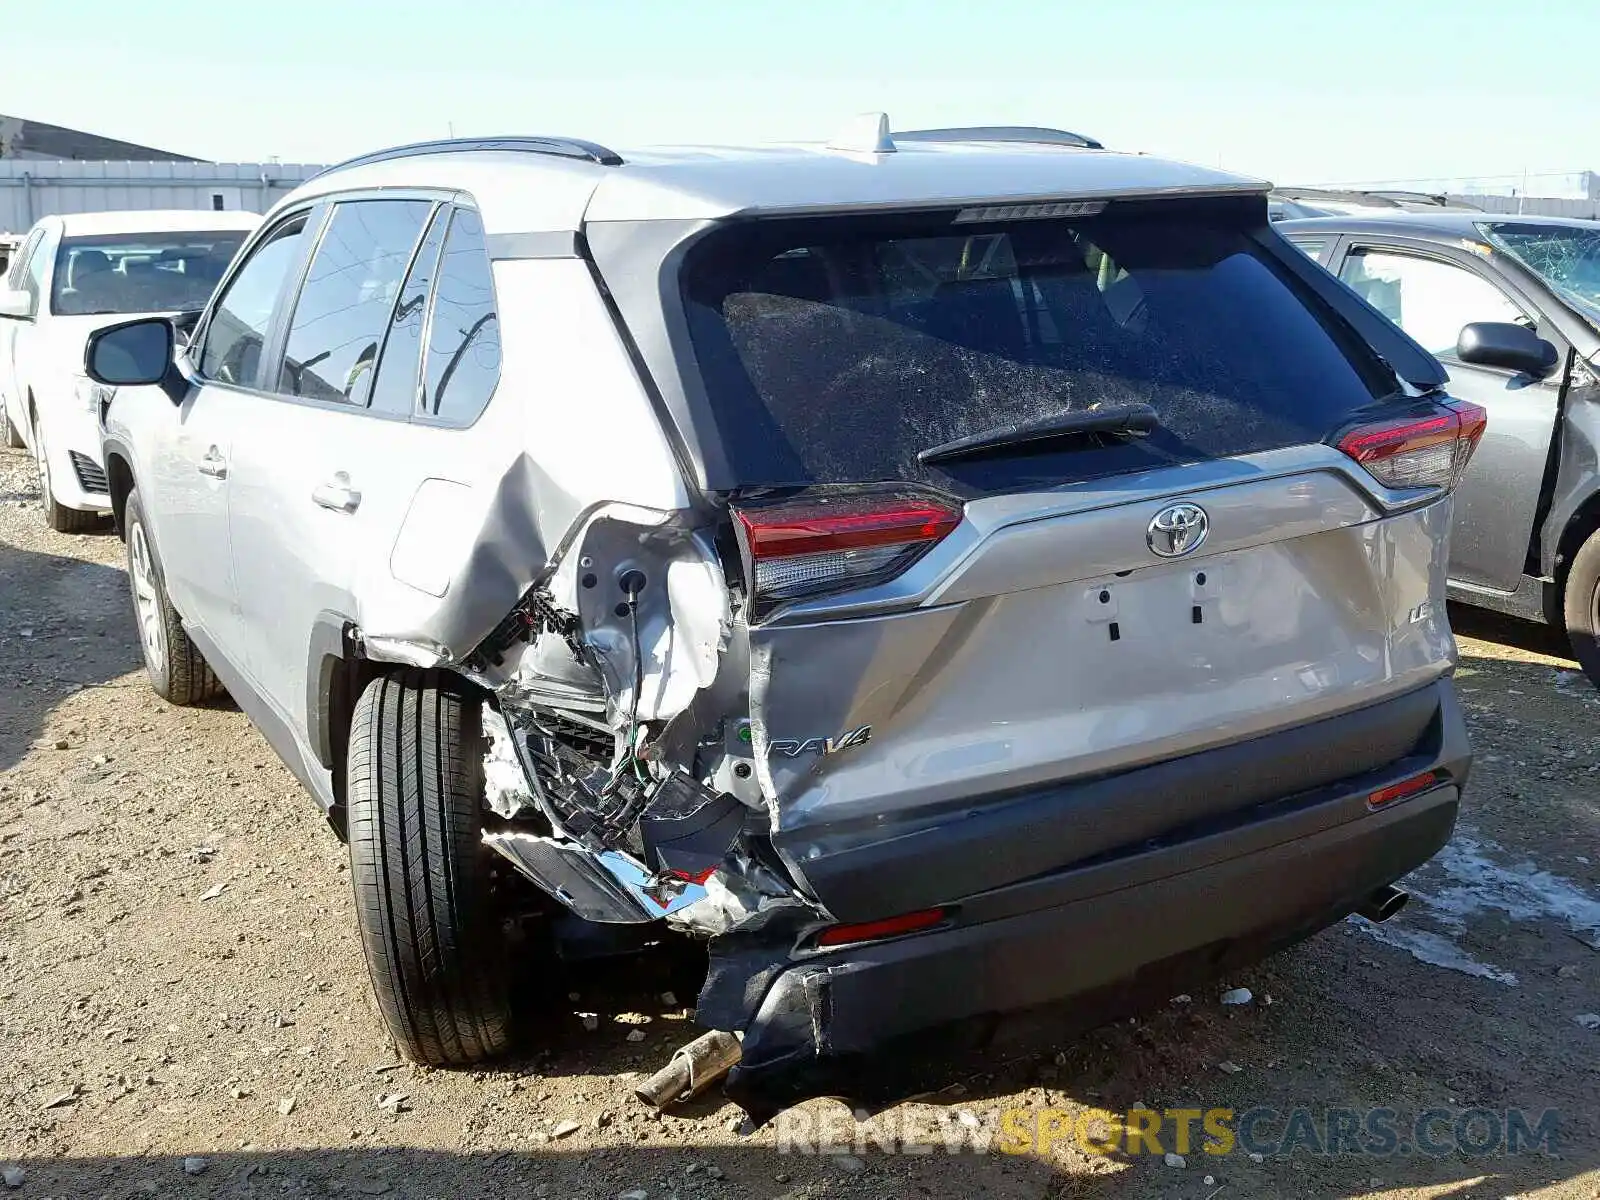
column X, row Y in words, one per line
column 1347, row 91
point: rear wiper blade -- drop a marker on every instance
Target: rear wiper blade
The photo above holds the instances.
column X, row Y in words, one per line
column 1121, row 420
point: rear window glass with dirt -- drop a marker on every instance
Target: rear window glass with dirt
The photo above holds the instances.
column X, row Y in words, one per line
column 834, row 350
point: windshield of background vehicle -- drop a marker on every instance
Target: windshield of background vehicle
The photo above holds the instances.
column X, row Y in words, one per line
column 833, row 349
column 140, row 272
column 1567, row 257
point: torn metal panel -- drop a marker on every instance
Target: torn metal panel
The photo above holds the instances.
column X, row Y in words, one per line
column 498, row 542
column 745, row 897
column 609, row 888
column 682, row 610
column 506, row 788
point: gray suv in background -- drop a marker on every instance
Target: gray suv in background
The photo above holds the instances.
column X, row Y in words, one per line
column 1511, row 305
column 940, row 574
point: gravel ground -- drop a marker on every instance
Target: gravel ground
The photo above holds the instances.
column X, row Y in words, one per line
column 184, row 1010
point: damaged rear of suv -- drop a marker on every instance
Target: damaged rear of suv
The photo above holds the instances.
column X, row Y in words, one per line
column 944, row 577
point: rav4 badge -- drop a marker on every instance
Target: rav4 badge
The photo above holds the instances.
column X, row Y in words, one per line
column 793, row 748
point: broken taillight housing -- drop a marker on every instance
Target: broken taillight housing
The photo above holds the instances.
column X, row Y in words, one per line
column 1427, row 449
column 838, row 541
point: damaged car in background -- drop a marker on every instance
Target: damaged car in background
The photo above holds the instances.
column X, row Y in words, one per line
column 942, row 573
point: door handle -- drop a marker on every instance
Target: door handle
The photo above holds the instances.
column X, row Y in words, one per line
column 337, row 495
column 213, row 465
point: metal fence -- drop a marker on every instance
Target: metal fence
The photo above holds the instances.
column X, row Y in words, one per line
column 1542, row 206
column 34, row 188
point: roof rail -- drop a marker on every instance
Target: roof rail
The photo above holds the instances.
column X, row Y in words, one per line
column 560, row 147
column 1033, row 134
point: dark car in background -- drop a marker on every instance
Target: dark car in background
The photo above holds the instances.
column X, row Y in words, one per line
column 1511, row 307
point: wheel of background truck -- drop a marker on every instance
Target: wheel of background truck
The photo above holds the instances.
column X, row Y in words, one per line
column 10, row 436
column 58, row 517
column 1581, row 607
column 435, row 945
column 178, row 673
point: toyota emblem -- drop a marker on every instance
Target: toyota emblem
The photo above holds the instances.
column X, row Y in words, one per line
column 1177, row 529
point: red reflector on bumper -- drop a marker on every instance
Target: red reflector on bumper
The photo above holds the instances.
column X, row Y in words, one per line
column 1403, row 789
column 869, row 931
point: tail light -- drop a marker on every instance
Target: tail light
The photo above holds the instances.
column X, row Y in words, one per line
column 888, row 927
column 1430, row 449
column 824, row 544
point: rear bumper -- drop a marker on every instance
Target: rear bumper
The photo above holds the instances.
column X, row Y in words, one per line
column 1284, row 870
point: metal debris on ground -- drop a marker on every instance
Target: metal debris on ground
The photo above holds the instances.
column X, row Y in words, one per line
column 693, row 1069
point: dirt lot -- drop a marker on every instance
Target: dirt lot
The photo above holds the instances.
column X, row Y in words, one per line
column 180, row 979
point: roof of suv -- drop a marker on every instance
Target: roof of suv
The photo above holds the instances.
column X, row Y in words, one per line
column 522, row 189
column 1439, row 223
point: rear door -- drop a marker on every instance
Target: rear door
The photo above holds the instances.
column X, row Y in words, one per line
column 319, row 456
column 1431, row 293
column 928, row 635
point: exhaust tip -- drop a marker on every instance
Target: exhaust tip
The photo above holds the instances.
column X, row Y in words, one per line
column 1383, row 904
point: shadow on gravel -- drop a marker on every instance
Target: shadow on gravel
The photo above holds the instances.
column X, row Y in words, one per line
column 756, row 1171
column 1508, row 631
column 65, row 624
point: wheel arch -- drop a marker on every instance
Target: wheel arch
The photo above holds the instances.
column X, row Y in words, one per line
column 1583, row 522
column 337, row 672
column 119, row 476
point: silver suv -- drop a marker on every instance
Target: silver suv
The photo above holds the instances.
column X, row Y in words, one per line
column 943, row 572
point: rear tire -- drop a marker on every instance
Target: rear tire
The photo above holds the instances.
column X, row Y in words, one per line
column 57, row 516
column 178, row 671
column 436, row 948
column 1581, row 607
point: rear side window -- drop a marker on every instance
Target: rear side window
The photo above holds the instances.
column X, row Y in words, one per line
column 1316, row 249
column 395, row 388
column 33, row 274
column 463, row 360
column 237, row 329
column 348, row 298
column 19, row 260
column 833, row 350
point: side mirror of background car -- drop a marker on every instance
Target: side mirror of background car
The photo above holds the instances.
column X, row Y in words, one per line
column 133, row 354
column 15, row 304
column 1503, row 344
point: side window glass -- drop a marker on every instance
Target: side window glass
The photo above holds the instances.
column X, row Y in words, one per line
column 19, row 261
column 237, row 329
column 348, row 297
column 1312, row 248
column 463, row 362
column 1430, row 300
column 395, row 388
column 33, row 276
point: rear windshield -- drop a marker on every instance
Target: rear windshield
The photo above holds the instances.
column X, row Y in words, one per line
column 833, row 350
column 140, row 272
